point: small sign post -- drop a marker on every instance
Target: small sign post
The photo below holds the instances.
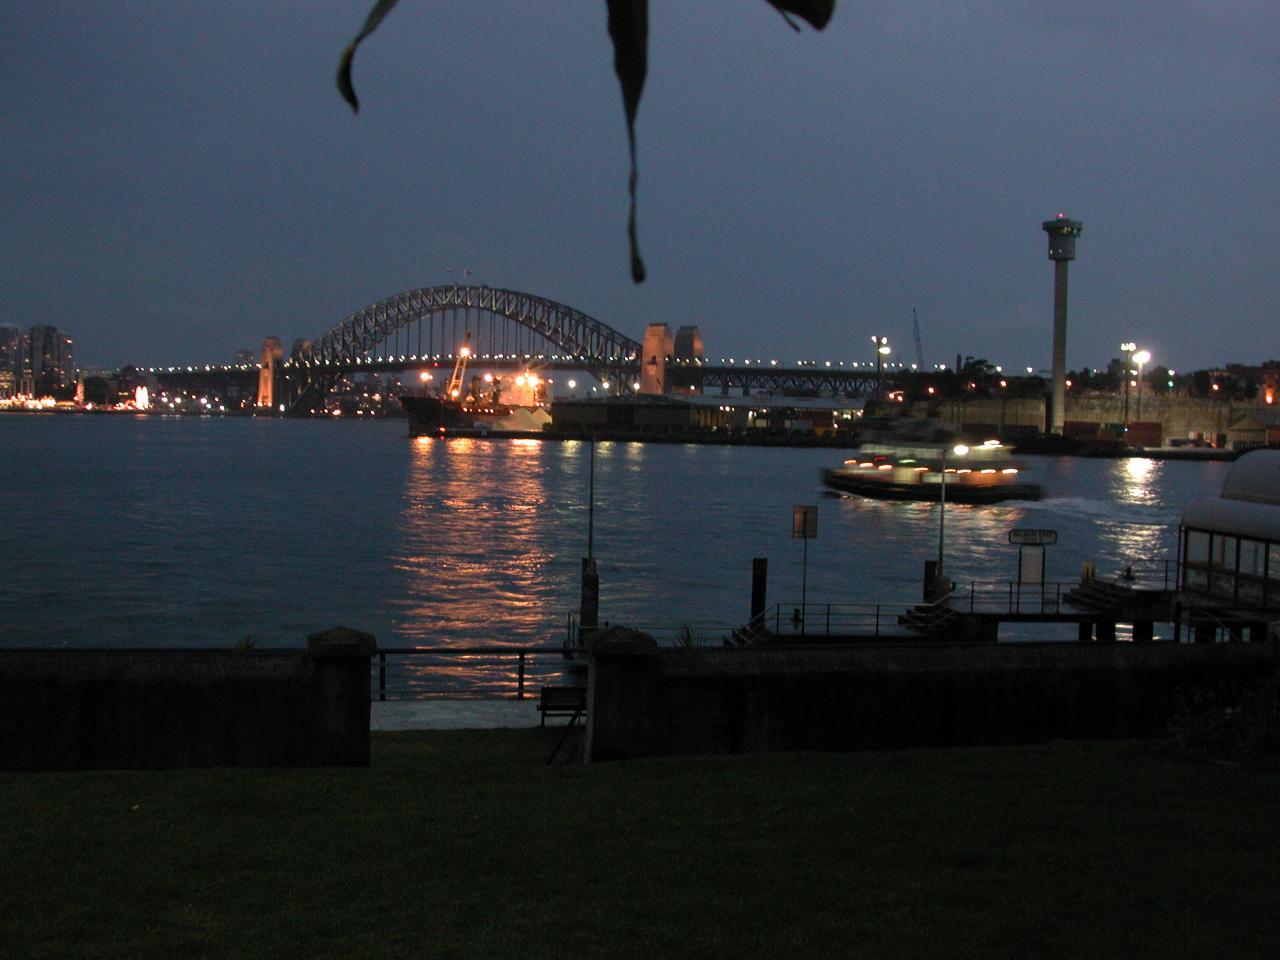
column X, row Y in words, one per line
column 804, row 526
column 1031, row 543
column 1034, row 538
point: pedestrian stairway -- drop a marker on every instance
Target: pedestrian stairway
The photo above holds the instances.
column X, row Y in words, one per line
column 1100, row 595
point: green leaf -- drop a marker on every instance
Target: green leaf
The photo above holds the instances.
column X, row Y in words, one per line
column 815, row 12
column 380, row 10
column 629, row 30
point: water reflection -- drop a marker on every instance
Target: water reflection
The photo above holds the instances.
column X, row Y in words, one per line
column 477, row 544
column 490, row 534
column 1135, row 479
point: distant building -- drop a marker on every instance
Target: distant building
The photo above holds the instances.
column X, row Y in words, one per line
column 51, row 360
column 12, row 349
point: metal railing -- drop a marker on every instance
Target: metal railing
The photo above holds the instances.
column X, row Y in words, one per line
column 838, row 619
column 503, row 667
column 687, row 634
column 1009, row 596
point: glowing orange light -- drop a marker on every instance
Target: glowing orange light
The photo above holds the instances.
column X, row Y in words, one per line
column 424, row 376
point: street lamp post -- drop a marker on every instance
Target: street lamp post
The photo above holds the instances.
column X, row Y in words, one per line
column 959, row 450
column 1127, row 350
column 1141, row 358
column 882, row 351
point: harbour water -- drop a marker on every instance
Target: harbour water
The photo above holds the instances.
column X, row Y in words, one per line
column 148, row 531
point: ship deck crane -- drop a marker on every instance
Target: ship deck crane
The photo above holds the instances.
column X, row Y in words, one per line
column 459, row 369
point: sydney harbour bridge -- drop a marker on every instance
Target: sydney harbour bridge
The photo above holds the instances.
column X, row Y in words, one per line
column 423, row 329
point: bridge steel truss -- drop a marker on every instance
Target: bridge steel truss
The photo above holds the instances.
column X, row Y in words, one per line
column 497, row 319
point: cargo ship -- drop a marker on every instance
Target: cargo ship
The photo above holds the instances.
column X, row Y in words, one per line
column 905, row 470
column 441, row 416
column 477, row 409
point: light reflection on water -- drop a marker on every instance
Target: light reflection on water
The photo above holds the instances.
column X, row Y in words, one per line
column 200, row 533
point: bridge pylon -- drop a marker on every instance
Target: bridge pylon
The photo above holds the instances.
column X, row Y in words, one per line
column 272, row 353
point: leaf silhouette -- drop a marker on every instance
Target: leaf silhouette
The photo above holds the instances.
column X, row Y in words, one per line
column 815, row 12
column 380, row 10
column 629, row 30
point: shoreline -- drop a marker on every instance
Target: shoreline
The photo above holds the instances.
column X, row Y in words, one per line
column 1041, row 446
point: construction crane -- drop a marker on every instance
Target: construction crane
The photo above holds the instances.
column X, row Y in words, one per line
column 915, row 329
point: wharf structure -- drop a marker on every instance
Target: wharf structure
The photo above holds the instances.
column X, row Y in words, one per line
column 1229, row 554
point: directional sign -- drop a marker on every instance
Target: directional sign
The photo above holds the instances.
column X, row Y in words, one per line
column 804, row 523
column 1037, row 538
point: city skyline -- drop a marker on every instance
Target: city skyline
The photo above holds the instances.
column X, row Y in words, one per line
column 184, row 182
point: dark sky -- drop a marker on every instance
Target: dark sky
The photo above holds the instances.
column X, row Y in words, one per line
column 181, row 179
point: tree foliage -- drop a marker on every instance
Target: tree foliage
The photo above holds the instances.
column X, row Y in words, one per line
column 629, row 31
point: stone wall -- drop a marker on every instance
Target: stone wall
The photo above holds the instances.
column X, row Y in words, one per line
column 1179, row 417
column 644, row 701
column 105, row 709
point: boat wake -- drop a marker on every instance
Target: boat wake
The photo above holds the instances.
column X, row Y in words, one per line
column 1086, row 508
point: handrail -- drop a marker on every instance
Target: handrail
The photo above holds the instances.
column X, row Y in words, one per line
column 521, row 654
column 838, row 619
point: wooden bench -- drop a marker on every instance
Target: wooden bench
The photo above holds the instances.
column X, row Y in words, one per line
column 563, row 702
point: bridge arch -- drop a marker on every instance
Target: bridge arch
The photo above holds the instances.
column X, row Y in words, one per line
column 496, row 318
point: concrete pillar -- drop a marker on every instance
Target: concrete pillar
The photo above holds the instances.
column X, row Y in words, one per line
column 1062, row 250
column 759, row 588
column 340, row 696
column 658, row 345
column 272, row 352
column 1058, row 402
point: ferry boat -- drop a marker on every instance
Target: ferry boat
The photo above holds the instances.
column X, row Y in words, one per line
column 907, row 470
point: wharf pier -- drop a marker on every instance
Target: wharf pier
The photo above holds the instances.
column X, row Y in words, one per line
column 975, row 612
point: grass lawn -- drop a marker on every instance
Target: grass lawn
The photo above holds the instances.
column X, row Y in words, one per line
column 464, row 844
